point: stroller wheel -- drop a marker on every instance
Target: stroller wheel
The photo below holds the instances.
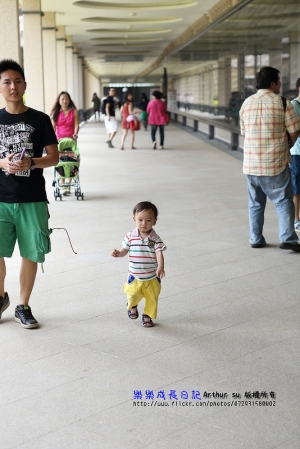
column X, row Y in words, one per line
column 60, row 196
column 82, row 196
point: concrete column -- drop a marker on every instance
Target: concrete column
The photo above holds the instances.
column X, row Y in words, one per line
column 33, row 54
column 9, row 25
column 275, row 54
column 241, row 77
column 201, row 90
column 224, row 82
column 75, row 75
column 206, row 86
column 211, row 86
column 294, row 58
column 69, row 66
column 49, row 60
column 234, row 74
column 61, row 59
column 80, row 83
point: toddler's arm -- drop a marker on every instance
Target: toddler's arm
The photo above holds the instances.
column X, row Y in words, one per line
column 160, row 272
column 116, row 253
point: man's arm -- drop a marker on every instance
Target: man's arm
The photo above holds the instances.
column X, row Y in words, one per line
column 13, row 167
column 294, row 136
column 107, row 110
column 50, row 160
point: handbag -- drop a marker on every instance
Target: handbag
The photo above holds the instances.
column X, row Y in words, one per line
column 134, row 125
column 144, row 115
column 130, row 118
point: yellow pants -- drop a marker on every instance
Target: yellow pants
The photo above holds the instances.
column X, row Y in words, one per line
column 137, row 290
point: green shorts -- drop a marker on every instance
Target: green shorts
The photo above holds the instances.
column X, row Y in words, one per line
column 27, row 223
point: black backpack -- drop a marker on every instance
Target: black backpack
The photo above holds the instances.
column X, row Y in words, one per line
column 103, row 106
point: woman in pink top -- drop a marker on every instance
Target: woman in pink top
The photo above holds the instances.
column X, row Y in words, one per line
column 158, row 117
column 65, row 121
column 64, row 117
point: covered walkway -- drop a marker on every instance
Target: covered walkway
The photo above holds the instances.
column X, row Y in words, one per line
column 228, row 315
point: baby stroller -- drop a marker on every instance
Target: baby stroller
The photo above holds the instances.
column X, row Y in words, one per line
column 67, row 168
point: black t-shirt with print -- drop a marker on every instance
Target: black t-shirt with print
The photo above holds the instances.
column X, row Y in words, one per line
column 33, row 131
column 111, row 103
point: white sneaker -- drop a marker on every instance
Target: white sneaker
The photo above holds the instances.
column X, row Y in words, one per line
column 162, row 148
column 154, row 146
column 297, row 226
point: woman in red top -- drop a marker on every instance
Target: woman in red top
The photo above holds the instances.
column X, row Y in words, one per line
column 126, row 110
column 65, row 121
column 158, row 117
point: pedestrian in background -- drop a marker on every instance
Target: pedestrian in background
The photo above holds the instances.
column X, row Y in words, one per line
column 128, row 120
column 96, row 101
column 143, row 107
column 158, row 118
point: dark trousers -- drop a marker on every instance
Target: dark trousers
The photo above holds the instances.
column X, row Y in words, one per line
column 161, row 133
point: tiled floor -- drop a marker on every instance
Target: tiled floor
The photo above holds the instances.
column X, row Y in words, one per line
column 228, row 317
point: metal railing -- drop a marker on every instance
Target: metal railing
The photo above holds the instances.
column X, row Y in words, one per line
column 212, row 124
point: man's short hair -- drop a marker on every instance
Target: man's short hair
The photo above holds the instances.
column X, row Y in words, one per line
column 298, row 83
column 266, row 76
column 145, row 205
column 10, row 64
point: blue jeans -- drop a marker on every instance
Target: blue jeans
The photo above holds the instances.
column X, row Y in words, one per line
column 161, row 132
column 279, row 190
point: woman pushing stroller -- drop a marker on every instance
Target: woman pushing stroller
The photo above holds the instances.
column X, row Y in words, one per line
column 65, row 121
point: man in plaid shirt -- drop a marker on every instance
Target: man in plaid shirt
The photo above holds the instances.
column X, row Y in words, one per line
column 265, row 120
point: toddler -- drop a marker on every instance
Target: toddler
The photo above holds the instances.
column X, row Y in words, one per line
column 146, row 263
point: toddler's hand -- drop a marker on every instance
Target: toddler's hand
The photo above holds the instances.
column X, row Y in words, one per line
column 160, row 273
column 115, row 253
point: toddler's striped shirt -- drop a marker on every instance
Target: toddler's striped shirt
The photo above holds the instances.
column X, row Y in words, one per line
column 142, row 257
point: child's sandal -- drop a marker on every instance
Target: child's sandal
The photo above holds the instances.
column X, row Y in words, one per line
column 133, row 315
column 148, row 323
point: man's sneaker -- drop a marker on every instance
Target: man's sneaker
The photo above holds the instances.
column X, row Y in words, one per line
column 24, row 316
column 292, row 246
column 4, row 303
column 257, row 245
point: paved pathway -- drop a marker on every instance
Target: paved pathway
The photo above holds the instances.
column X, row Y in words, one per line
column 228, row 318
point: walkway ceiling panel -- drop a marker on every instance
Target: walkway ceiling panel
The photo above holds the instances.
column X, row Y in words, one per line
column 122, row 22
column 178, row 34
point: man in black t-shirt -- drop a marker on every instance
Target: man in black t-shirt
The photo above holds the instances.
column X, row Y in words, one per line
column 110, row 121
column 24, row 133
